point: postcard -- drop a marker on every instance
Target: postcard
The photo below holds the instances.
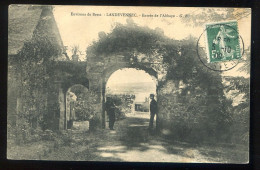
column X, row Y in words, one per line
column 128, row 83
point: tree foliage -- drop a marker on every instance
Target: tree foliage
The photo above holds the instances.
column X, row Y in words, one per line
column 241, row 112
column 85, row 104
column 128, row 39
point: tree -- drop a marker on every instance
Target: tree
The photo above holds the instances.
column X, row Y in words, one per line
column 241, row 112
column 85, row 104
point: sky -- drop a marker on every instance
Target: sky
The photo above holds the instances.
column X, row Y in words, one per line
column 83, row 30
column 134, row 77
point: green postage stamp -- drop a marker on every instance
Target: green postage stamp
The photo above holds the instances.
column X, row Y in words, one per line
column 222, row 41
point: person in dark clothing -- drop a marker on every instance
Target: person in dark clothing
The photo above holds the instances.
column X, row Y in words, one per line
column 110, row 108
column 153, row 111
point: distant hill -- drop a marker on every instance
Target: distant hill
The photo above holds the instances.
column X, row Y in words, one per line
column 131, row 88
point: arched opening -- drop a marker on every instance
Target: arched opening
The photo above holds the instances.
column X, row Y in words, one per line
column 77, row 108
column 130, row 89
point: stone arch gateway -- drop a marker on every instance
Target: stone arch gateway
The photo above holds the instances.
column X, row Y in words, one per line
column 127, row 46
column 99, row 77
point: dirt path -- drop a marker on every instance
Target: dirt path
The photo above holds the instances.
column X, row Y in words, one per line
column 132, row 141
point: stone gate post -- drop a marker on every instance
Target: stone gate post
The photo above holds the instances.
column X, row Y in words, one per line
column 56, row 106
column 95, row 85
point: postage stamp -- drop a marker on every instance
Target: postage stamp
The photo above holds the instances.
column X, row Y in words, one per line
column 222, row 40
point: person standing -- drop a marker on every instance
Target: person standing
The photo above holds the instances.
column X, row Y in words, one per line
column 110, row 108
column 153, row 111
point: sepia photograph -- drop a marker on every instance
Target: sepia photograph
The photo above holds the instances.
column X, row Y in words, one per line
column 128, row 84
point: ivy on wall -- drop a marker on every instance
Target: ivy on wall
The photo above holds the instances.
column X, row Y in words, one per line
column 177, row 57
column 29, row 75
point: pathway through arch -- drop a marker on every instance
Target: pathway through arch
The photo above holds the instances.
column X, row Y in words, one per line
column 136, row 144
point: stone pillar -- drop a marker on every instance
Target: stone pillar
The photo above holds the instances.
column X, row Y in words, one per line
column 95, row 85
column 56, row 107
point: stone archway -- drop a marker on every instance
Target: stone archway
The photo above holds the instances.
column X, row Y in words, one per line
column 63, row 88
column 72, row 96
column 112, row 69
column 66, row 74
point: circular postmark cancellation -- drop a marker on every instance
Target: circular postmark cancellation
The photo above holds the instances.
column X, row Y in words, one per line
column 220, row 47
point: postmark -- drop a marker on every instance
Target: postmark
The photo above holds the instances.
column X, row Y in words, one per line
column 223, row 47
